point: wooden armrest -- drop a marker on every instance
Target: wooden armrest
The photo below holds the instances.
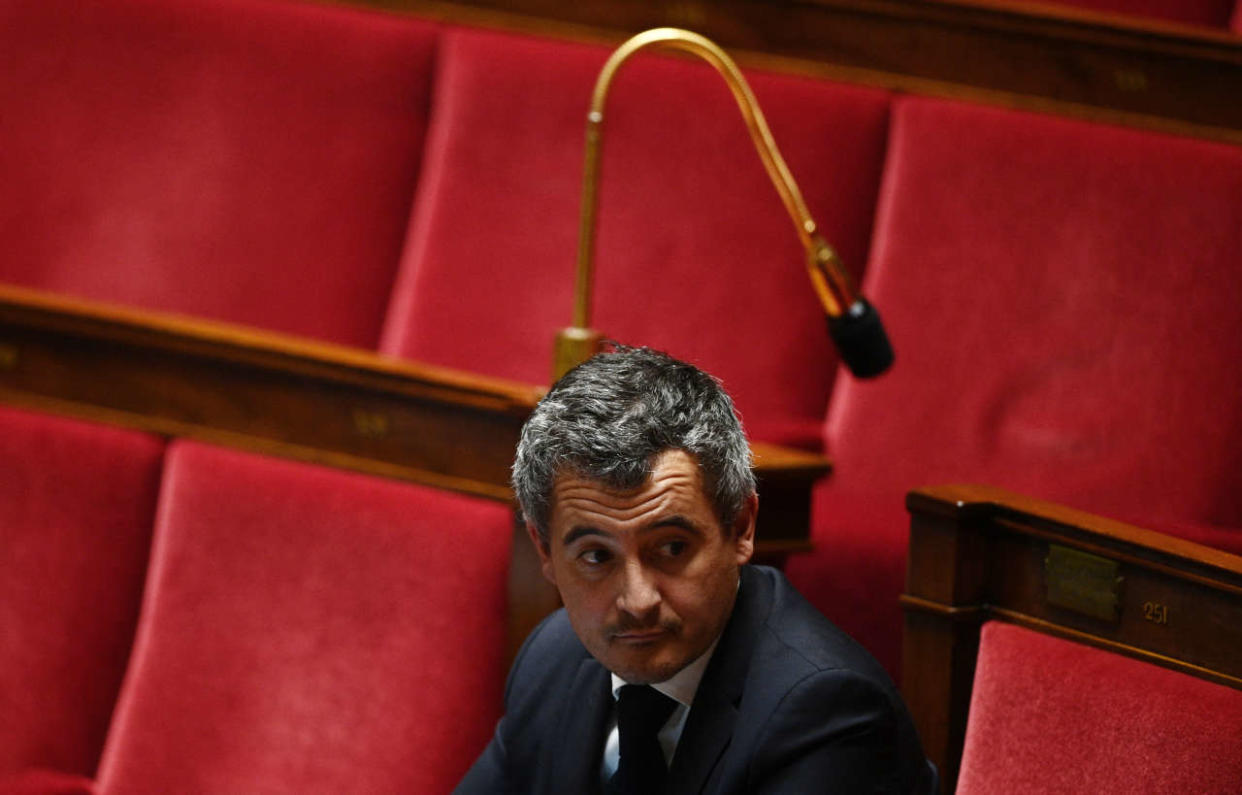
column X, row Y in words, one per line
column 294, row 398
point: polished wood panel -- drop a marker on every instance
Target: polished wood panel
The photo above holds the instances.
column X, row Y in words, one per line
column 287, row 396
column 1110, row 68
column 978, row 553
column 260, row 391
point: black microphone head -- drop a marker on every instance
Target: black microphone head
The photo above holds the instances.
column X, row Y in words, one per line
column 860, row 337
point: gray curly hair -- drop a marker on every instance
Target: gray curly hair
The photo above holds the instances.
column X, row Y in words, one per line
column 608, row 419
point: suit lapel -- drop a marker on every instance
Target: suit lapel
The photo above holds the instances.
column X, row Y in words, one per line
column 575, row 756
column 709, row 726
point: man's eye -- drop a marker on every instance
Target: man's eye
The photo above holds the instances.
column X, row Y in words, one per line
column 595, row 557
column 673, row 549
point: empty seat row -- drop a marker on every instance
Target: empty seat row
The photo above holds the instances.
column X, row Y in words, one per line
column 1058, row 292
column 264, row 163
column 293, row 628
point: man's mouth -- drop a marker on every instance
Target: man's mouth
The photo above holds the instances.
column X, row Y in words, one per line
column 639, row 637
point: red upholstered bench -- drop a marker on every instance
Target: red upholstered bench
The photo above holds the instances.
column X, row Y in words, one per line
column 695, row 253
column 1062, row 299
column 310, row 630
column 77, row 503
column 244, row 160
column 1050, row 715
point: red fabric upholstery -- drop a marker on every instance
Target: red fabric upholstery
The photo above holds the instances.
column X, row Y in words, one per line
column 1048, row 715
column 235, row 159
column 695, row 252
column 1062, row 300
column 311, row 630
column 77, row 503
column 1235, row 23
column 46, row 782
column 1227, row 538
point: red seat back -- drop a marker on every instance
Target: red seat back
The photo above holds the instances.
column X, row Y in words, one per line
column 77, row 503
column 245, row 160
column 1049, row 715
column 311, row 630
column 695, row 252
column 1062, row 300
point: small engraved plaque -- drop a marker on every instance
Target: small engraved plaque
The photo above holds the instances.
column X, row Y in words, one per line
column 371, row 424
column 1082, row 582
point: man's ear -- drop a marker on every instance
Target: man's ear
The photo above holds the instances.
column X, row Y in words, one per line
column 744, row 529
column 545, row 554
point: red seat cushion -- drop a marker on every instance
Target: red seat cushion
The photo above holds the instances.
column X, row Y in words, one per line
column 245, row 160
column 77, row 502
column 1062, row 300
column 311, row 630
column 1048, row 715
column 695, row 252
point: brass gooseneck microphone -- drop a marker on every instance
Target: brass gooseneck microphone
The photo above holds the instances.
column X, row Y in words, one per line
column 853, row 323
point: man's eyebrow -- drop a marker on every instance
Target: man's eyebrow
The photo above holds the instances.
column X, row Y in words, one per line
column 676, row 520
column 579, row 532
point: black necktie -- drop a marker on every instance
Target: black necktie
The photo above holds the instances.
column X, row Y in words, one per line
column 641, row 711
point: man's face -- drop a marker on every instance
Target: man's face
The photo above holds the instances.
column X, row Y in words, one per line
column 648, row 576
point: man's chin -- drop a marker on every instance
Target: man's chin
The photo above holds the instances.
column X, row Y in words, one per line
column 646, row 675
column 635, row 670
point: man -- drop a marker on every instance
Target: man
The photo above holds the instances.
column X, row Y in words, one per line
column 634, row 478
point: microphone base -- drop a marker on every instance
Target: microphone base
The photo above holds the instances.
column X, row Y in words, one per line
column 574, row 346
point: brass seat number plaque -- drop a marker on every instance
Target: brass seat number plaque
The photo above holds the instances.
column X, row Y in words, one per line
column 1082, row 582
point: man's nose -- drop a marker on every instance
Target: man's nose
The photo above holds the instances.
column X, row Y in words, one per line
column 638, row 595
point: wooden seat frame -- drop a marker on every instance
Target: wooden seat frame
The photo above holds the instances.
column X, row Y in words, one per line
column 979, row 553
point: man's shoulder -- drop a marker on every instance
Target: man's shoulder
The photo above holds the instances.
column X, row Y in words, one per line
column 807, row 676
column 550, row 652
column 798, row 657
column 553, row 633
column 801, row 638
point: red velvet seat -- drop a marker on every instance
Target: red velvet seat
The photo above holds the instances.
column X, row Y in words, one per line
column 77, row 503
column 1062, row 300
column 1049, row 715
column 695, row 252
column 311, row 630
column 245, row 160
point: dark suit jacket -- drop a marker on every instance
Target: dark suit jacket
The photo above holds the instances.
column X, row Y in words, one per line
column 788, row 704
